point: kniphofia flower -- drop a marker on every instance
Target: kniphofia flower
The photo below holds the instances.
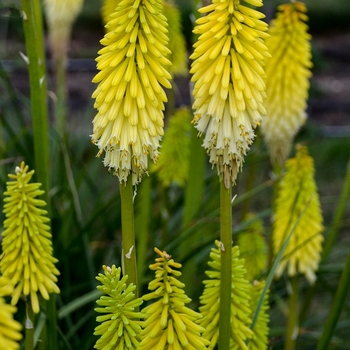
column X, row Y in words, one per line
column 260, row 339
column 228, row 76
column 27, row 262
column 173, row 162
column 169, row 324
column 130, row 97
column 298, row 199
column 107, row 9
column 253, row 248
column 9, row 328
column 177, row 44
column 120, row 326
column 240, row 301
column 60, row 15
column 287, row 84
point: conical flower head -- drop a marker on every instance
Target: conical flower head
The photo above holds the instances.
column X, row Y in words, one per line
column 297, row 199
column 228, row 77
column 287, row 84
column 240, row 302
column 108, row 7
column 61, row 15
column 130, row 97
column 173, row 162
column 260, row 339
column 169, row 324
column 177, row 44
column 253, row 248
column 28, row 262
column 120, row 326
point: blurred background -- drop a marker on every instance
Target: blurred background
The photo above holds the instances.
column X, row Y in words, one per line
column 86, row 223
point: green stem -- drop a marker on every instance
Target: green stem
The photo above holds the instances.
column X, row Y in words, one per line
column 33, row 32
column 32, row 25
column 337, row 219
column 292, row 325
column 29, row 326
column 128, row 233
column 226, row 265
column 337, row 307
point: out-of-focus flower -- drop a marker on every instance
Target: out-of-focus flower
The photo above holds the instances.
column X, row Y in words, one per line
column 169, row 324
column 228, row 76
column 172, row 165
column 177, row 44
column 240, row 302
column 27, row 262
column 287, row 84
column 61, row 15
column 260, row 339
column 297, row 199
column 120, row 326
column 107, row 9
column 129, row 97
column 253, row 247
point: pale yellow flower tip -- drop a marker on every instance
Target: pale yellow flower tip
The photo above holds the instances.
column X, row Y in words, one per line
column 287, row 84
column 169, row 324
column 60, row 15
column 10, row 329
column 27, row 260
column 298, row 199
column 229, row 86
column 129, row 97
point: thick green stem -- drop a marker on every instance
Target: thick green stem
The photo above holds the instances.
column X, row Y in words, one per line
column 337, row 307
column 292, row 325
column 226, row 265
column 33, row 32
column 29, row 326
column 128, row 233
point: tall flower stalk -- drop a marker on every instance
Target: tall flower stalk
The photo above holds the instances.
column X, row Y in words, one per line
column 130, row 100
column 34, row 39
column 229, row 91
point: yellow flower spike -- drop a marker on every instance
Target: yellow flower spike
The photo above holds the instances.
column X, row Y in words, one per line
column 228, row 77
column 129, row 97
column 177, row 44
column 172, row 165
column 61, row 15
column 259, row 340
column 10, row 329
column 107, row 9
column 253, row 248
column 297, row 194
column 287, row 84
column 120, row 326
column 240, row 306
column 27, row 259
column 169, row 324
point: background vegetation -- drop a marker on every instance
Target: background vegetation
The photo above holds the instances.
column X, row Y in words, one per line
column 84, row 198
